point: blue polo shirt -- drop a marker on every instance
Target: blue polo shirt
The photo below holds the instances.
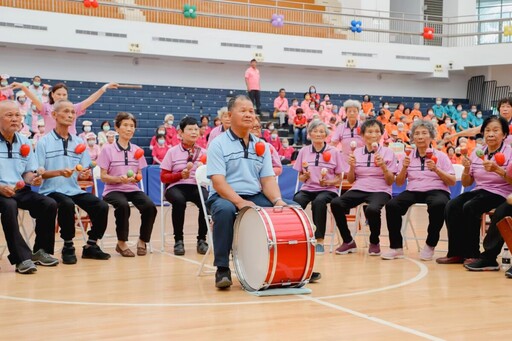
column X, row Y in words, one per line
column 242, row 167
column 439, row 110
column 54, row 152
column 12, row 164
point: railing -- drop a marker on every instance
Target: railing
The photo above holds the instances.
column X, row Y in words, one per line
column 300, row 19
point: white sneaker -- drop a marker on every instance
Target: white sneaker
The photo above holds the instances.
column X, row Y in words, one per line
column 393, row 254
column 427, row 253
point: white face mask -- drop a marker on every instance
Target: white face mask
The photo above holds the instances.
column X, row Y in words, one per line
column 312, row 107
column 273, row 136
column 90, row 143
column 161, row 142
column 170, row 122
column 285, row 145
column 87, row 128
column 459, row 109
column 473, row 110
column 438, row 102
column 386, row 106
column 448, row 122
column 450, row 103
column 46, row 92
column 479, row 115
column 312, row 91
column 4, row 83
column 295, row 104
column 271, row 127
column 106, row 128
column 161, row 132
column 329, row 106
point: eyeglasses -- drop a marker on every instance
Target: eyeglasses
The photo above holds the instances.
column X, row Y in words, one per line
column 256, row 128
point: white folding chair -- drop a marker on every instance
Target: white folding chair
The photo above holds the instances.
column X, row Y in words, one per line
column 96, row 174
column 165, row 209
column 203, row 181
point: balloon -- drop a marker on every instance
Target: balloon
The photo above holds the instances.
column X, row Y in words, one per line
column 25, row 150
column 94, row 3
column 87, row 3
column 353, row 23
column 277, row 20
column 189, row 11
column 359, row 29
column 353, row 29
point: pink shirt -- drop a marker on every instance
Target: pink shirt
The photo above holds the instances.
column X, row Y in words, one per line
column 159, row 152
column 281, row 104
column 117, row 162
column 326, row 115
column 276, row 143
column 7, row 93
column 369, row 177
column 292, row 114
column 176, row 160
column 252, row 76
column 420, row 178
column 286, row 153
column 305, row 105
column 201, row 141
column 49, row 122
column 490, row 181
column 345, row 135
column 276, row 160
column 214, row 133
column 94, row 152
column 316, row 162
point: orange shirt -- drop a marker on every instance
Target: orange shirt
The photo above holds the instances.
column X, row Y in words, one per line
column 384, row 119
column 398, row 114
column 390, row 127
column 403, row 136
column 367, row 107
column 416, row 113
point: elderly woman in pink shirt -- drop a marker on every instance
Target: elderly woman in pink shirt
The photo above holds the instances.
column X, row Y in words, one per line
column 371, row 172
column 320, row 167
column 349, row 131
column 487, row 168
column 428, row 173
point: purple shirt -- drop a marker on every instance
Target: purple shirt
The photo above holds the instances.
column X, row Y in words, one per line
column 214, row 133
column 316, row 162
column 117, row 162
column 176, row 160
column 420, row 178
column 345, row 135
column 276, row 160
column 369, row 177
column 490, row 181
column 49, row 121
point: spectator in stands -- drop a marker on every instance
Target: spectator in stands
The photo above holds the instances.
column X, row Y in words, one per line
column 225, row 120
column 314, row 96
column 399, row 112
column 216, row 122
column 456, row 115
column 92, row 146
column 463, row 122
column 160, row 130
column 60, row 91
column 430, row 115
column 274, row 139
column 320, row 175
column 311, row 112
column 205, row 122
column 371, row 172
column 427, row 182
column 286, row 152
column 367, row 104
column 14, row 168
column 6, row 90
column 36, row 87
column 450, row 109
column 45, row 97
column 385, row 117
column 464, row 213
column 292, row 112
column 276, row 160
column 86, row 128
column 306, row 102
column 472, row 115
column 111, row 138
column 159, row 149
column 439, row 110
column 478, row 120
column 202, row 140
column 252, row 81
column 121, row 188
column 327, row 113
column 62, row 186
column 39, row 133
column 416, row 112
column 326, row 98
column 102, row 134
column 299, row 127
column 178, row 174
column 24, row 107
column 281, row 107
column 350, row 130
column 454, row 159
column 171, row 134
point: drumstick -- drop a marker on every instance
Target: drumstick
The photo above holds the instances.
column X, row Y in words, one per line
column 129, row 86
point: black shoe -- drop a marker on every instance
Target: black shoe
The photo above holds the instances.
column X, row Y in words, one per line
column 483, row 265
column 202, row 246
column 315, row 276
column 179, row 248
column 223, row 278
column 68, row 255
column 509, row 272
column 94, row 252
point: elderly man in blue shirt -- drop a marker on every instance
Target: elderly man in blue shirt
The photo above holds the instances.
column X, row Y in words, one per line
column 17, row 168
column 240, row 178
column 57, row 152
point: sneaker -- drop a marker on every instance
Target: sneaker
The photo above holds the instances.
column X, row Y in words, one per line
column 68, row 255
column 469, row 260
column 393, row 254
column 319, row 249
column 509, row 272
column 223, row 278
column 179, row 248
column 374, row 249
column 94, row 252
column 26, row 267
column 315, row 276
column 202, row 247
column 345, row 248
column 44, row 259
column 427, row 253
column 483, row 265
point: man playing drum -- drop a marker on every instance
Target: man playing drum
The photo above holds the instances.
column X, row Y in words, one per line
column 241, row 173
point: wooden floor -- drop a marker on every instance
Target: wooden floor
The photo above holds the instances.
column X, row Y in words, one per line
column 159, row 297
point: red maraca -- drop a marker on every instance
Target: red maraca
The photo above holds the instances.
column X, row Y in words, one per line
column 305, row 165
column 80, row 148
column 480, row 153
column 327, row 156
column 138, row 153
column 434, row 158
column 429, row 153
column 19, row 185
column 138, row 177
column 203, row 159
column 358, row 130
column 408, row 151
column 189, row 165
column 510, row 129
column 499, row 158
column 464, row 151
column 24, row 150
column 259, row 148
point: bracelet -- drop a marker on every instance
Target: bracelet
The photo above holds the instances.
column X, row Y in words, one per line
column 276, row 200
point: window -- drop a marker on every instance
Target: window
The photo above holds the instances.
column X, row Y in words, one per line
column 491, row 10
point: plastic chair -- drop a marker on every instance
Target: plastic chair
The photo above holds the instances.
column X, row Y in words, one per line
column 203, row 181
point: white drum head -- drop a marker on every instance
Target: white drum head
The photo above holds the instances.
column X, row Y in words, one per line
column 250, row 249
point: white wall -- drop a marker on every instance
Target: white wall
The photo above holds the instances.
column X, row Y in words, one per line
column 501, row 73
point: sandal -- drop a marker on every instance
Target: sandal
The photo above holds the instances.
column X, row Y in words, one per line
column 125, row 253
column 141, row 251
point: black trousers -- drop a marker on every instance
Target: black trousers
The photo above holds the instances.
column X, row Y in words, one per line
column 255, row 97
column 319, row 201
column 178, row 196
column 463, row 217
column 96, row 209
column 122, row 213
column 41, row 208
column 341, row 206
column 436, row 201
column 493, row 241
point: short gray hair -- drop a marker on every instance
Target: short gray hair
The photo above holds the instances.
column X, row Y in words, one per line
column 317, row 123
column 222, row 111
column 425, row 124
column 351, row 103
column 60, row 103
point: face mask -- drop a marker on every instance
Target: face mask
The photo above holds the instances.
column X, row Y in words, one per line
column 430, row 113
column 106, row 128
column 448, row 122
column 170, row 122
column 459, row 109
column 366, row 100
column 473, row 110
column 312, row 91
column 36, row 84
column 90, row 143
column 311, row 107
column 415, row 118
column 46, row 92
column 161, row 142
column 386, row 106
column 295, row 104
column 33, row 107
column 87, row 128
column 271, row 127
column 450, row 103
column 286, row 145
column 479, row 115
column 329, row 106
column 438, row 102
column 273, row 136
column 4, row 83
column 22, row 100
column 161, row 132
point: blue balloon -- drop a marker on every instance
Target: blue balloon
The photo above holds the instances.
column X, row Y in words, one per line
column 359, row 30
column 353, row 29
column 359, row 23
column 353, row 23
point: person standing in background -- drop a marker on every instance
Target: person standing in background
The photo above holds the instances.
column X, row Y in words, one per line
column 252, row 80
